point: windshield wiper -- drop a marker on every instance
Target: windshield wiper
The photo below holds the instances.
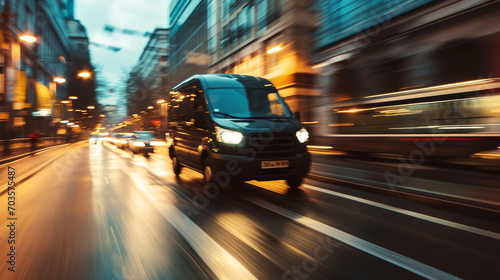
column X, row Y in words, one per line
column 230, row 116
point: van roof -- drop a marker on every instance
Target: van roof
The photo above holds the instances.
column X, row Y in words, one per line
column 228, row 81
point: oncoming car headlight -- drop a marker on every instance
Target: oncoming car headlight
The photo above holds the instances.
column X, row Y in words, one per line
column 138, row 144
column 228, row 136
column 302, row 135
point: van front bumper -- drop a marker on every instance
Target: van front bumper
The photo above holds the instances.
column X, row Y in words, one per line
column 243, row 168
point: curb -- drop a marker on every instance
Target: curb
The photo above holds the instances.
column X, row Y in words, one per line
column 41, row 150
column 34, row 172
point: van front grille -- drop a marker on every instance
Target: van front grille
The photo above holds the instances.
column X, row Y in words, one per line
column 273, row 144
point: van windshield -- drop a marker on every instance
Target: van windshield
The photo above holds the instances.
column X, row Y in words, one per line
column 247, row 103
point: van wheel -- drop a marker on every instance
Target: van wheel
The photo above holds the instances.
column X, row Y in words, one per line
column 208, row 173
column 294, row 182
column 176, row 165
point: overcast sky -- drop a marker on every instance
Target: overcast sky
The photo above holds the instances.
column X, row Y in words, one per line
column 140, row 15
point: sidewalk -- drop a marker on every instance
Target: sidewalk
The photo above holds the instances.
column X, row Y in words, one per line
column 462, row 185
column 22, row 149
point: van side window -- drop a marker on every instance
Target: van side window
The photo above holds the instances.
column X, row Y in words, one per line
column 188, row 102
column 184, row 105
column 173, row 113
column 199, row 102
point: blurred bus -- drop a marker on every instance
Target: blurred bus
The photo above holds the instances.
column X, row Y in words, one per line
column 449, row 120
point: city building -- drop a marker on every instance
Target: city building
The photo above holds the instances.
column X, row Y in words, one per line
column 148, row 80
column 266, row 38
column 81, row 83
column 188, row 40
column 364, row 49
column 35, row 48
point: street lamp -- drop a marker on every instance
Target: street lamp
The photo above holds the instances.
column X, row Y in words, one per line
column 59, row 80
column 275, row 49
column 73, row 97
column 84, row 74
column 28, row 38
column 90, row 107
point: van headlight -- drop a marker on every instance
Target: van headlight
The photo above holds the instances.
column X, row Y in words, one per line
column 302, row 135
column 228, row 136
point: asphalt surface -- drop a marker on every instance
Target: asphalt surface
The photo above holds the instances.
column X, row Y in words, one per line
column 97, row 212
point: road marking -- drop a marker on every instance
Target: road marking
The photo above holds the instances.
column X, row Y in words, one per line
column 223, row 264
column 428, row 218
column 404, row 262
column 369, row 182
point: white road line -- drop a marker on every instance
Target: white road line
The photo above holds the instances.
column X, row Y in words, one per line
column 428, row 218
column 223, row 264
column 329, row 175
column 404, row 262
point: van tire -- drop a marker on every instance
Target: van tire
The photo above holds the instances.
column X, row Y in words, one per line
column 294, row 182
column 208, row 172
column 176, row 166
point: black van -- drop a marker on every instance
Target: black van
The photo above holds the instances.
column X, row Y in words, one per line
column 235, row 128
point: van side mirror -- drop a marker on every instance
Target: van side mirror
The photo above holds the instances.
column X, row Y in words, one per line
column 297, row 115
column 200, row 119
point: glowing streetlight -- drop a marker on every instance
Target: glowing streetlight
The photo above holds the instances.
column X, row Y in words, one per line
column 90, row 107
column 275, row 49
column 161, row 101
column 28, row 38
column 59, row 80
column 150, row 107
column 84, row 74
column 65, row 101
column 73, row 97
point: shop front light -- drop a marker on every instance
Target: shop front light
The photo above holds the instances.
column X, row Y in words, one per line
column 228, row 136
column 302, row 135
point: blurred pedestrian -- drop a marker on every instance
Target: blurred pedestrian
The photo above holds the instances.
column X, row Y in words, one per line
column 33, row 139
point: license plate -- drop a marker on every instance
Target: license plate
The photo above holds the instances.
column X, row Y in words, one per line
column 274, row 164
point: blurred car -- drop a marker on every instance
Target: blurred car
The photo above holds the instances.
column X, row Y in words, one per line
column 95, row 138
column 111, row 138
column 121, row 139
column 141, row 142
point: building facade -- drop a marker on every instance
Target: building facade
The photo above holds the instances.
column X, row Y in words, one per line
column 266, row 38
column 148, row 80
column 270, row 39
column 84, row 88
column 188, row 40
column 386, row 47
column 29, row 94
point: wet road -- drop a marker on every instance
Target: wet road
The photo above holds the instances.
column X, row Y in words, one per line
column 97, row 212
